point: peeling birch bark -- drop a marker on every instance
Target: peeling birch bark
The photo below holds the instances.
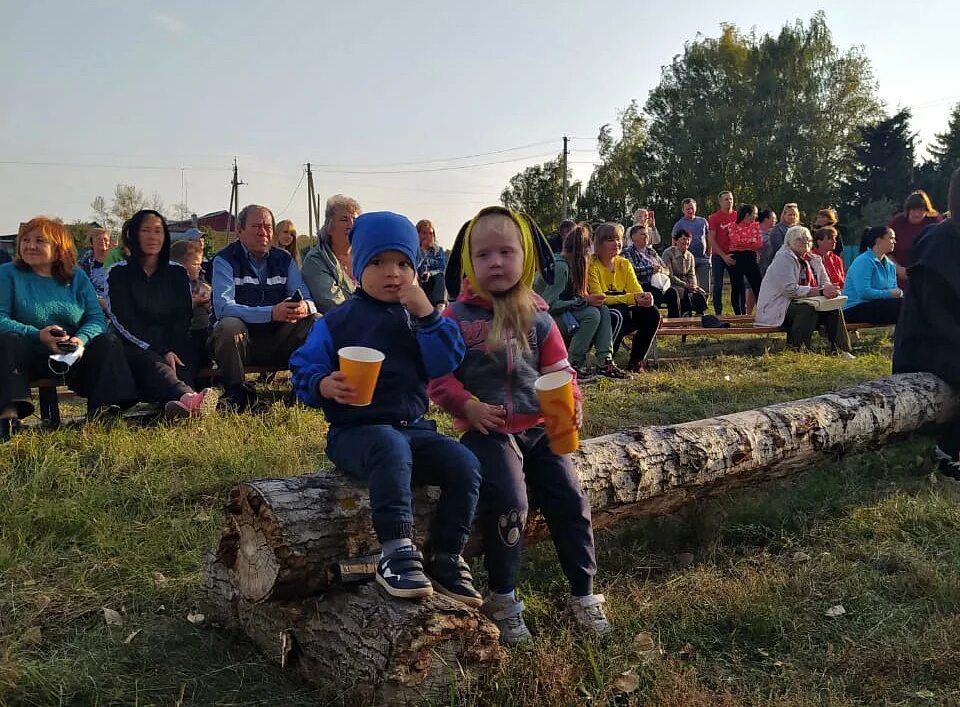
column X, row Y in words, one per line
column 284, row 538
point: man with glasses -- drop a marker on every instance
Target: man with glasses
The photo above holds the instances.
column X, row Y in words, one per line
column 262, row 311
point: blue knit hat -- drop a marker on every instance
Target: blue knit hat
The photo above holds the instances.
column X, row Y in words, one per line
column 377, row 231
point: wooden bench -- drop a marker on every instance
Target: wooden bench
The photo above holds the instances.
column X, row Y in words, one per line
column 733, row 319
column 740, row 325
column 745, row 327
column 49, row 390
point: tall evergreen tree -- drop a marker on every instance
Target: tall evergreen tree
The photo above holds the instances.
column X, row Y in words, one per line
column 884, row 165
column 944, row 159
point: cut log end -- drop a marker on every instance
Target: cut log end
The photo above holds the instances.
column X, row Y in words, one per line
column 376, row 648
column 256, row 566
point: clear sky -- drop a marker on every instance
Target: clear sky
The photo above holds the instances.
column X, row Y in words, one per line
column 163, row 95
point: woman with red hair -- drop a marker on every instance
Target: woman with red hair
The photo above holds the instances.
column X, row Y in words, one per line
column 49, row 308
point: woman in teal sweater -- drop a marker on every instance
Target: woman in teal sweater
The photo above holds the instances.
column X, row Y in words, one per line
column 48, row 306
column 871, row 285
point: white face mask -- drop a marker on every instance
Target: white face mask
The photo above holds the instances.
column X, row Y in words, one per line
column 60, row 363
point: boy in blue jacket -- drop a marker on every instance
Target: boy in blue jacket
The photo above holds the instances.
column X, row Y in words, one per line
column 389, row 444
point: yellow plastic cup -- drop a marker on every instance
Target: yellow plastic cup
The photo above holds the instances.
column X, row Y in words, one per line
column 361, row 366
column 555, row 392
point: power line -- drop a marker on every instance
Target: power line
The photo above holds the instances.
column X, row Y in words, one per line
column 92, row 165
column 109, row 166
column 935, row 101
column 442, row 159
column 436, row 169
column 295, row 190
column 454, row 192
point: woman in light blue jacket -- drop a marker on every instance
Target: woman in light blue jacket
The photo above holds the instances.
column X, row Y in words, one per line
column 871, row 285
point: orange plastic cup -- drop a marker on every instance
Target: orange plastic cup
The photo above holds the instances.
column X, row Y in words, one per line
column 555, row 392
column 361, row 366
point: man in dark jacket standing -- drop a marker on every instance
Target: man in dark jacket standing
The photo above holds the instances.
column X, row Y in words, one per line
column 262, row 311
column 928, row 333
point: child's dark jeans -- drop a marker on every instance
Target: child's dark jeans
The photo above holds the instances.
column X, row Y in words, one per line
column 514, row 465
column 392, row 459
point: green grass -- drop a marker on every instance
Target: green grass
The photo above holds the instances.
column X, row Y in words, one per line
column 120, row 516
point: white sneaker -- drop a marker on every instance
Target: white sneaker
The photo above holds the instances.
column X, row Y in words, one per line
column 847, row 356
column 588, row 614
column 507, row 613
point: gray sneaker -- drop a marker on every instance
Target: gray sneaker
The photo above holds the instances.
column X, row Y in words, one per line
column 588, row 614
column 507, row 614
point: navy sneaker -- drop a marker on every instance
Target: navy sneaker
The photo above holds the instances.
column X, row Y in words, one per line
column 401, row 574
column 451, row 576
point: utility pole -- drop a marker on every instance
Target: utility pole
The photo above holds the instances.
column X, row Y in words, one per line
column 233, row 213
column 565, row 186
column 313, row 206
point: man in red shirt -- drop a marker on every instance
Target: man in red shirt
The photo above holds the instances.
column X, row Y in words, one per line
column 718, row 238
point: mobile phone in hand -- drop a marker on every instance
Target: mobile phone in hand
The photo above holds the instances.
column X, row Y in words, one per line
column 67, row 346
column 296, row 296
column 58, row 332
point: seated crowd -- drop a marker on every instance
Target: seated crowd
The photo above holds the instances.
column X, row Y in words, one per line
column 376, row 280
column 255, row 303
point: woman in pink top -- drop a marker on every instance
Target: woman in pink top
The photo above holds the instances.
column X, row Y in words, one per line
column 746, row 240
column 917, row 214
column 824, row 245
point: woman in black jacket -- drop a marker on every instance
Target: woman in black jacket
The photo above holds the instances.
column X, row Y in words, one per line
column 928, row 334
column 149, row 304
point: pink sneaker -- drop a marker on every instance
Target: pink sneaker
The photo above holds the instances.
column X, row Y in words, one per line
column 201, row 404
column 192, row 404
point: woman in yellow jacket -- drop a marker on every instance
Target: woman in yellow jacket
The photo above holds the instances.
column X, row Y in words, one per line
column 631, row 309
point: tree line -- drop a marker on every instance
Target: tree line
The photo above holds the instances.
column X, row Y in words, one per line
column 773, row 118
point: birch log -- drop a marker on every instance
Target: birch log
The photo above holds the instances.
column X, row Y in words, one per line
column 285, row 537
column 361, row 645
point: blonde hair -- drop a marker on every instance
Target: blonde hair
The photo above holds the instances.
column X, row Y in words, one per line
column 97, row 231
column 513, row 311
column 608, row 231
column 292, row 248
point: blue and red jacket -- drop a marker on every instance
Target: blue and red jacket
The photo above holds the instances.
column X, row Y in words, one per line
column 416, row 349
column 500, row 377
